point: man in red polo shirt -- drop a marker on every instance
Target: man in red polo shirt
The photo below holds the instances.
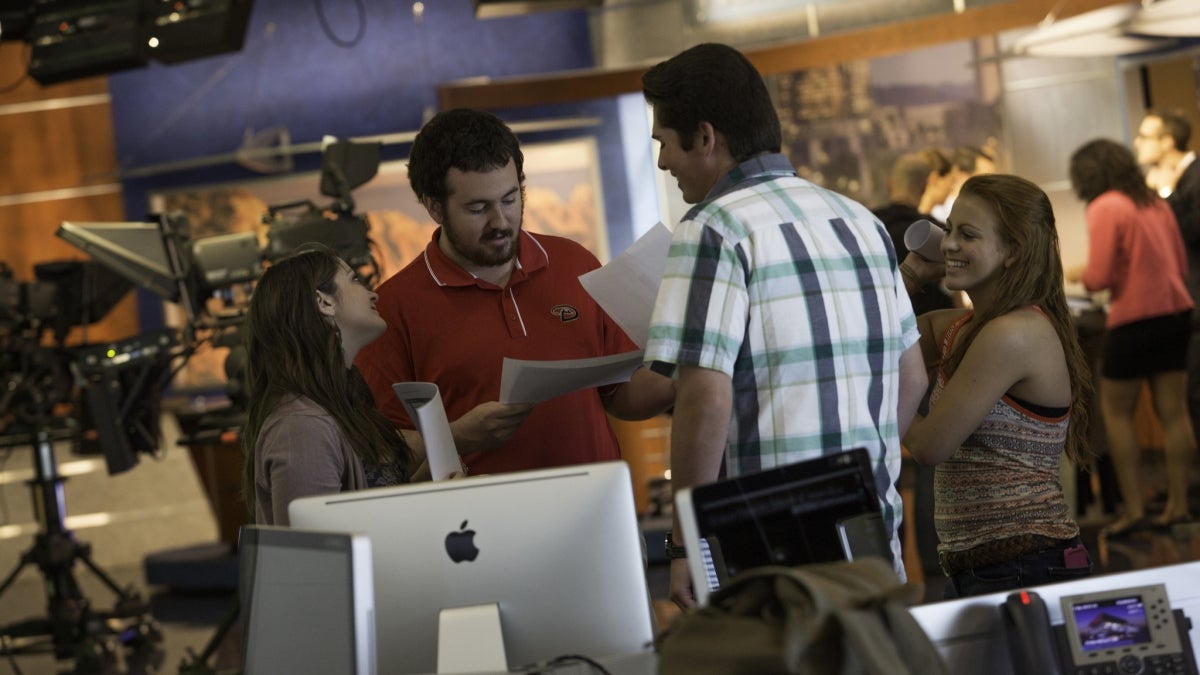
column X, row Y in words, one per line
column 483, row 290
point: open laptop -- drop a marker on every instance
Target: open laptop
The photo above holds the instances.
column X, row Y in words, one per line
column 819, row 510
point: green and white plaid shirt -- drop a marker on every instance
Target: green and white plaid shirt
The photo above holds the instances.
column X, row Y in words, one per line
column 794, row 292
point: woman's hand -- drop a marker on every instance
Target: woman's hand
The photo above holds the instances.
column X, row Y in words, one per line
column 422, row 473
column 919, row 272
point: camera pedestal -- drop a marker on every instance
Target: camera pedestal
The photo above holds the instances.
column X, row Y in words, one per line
column 72, row 629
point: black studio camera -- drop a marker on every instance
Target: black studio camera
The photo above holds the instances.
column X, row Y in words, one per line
column 36, row 373
column 160, row 255
column 344, row 166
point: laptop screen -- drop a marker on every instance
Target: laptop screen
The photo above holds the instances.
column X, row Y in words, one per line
column 820, row 510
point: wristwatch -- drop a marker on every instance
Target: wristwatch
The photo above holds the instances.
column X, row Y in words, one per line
column 674, row 552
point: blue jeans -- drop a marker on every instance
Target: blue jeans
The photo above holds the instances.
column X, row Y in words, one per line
column 1031, row 569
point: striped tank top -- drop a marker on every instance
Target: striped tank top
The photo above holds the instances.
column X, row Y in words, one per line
column 1004, row 479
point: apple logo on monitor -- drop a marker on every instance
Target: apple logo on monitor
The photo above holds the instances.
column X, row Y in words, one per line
column 460, row 544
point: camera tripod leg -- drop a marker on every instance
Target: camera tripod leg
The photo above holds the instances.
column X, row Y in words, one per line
column 128, row 624
column 70, row 624
column 14, row 574
column 71, row 629
column 128, row 600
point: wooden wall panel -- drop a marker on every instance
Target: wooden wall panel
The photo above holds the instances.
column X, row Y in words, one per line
column 62, row 148
column 29, row 227
column 57, row 162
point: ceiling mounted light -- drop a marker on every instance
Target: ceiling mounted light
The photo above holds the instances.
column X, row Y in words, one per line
column 1101, row 32
column 733, row 11
column 490, row 9
column 1177, row 18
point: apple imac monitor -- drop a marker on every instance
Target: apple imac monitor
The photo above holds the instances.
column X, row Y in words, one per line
column 307, row 601
column 819, row 510
column 557, row 551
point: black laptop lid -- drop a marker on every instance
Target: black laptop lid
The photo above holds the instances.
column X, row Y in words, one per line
column 818, row 510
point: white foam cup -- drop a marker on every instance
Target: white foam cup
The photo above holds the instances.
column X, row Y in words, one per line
column 925, row 239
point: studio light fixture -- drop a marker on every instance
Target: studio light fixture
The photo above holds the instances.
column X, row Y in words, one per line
column 489, row 9
column 1101, row 32
column 733, row 11
column 1176, row 18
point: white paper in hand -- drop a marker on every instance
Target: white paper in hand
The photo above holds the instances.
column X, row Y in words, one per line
column 627, row 287
column 423, row 403
column 537, row 381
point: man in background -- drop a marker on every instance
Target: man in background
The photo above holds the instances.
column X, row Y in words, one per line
column 911, row 177
column 1161, row 146
column 906, row 183
column 781, row 313
column 485, row 289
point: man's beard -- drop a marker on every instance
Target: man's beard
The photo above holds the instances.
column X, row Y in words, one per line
column 478, row 252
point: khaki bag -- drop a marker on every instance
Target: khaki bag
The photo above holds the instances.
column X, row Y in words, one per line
column 843, row 618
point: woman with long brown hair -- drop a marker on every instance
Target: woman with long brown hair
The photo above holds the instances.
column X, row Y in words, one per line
column 1009, row 394
column 312, row 426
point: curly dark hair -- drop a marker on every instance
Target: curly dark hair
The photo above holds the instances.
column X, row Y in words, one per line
column 1101, row 165
column 465, row 139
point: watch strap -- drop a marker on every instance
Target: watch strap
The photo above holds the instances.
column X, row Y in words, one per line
column 673, row 550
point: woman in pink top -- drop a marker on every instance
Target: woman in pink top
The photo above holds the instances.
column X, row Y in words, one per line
column 1136, row 252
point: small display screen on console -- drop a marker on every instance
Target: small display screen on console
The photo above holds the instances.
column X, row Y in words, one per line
column 1124, row 630
column 1111, row 623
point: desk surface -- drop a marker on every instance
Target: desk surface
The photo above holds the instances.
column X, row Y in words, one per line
column 969, row 633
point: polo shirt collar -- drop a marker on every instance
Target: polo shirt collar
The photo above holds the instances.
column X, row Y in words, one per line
column 531, row 257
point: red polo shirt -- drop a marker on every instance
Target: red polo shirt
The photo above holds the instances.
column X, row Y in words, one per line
column 447, row 327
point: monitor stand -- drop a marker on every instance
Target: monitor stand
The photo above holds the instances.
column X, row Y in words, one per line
column 470, row 640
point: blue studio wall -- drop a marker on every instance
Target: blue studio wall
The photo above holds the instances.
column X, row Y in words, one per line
column 348, row 69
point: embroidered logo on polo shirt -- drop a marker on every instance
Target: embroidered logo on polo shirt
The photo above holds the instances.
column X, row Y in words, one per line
column 565, row 313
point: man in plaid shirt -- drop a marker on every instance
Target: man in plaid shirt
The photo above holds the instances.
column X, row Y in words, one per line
column 782, row 313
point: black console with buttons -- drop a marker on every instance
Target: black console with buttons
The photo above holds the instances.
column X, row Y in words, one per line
column 1130, row 631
